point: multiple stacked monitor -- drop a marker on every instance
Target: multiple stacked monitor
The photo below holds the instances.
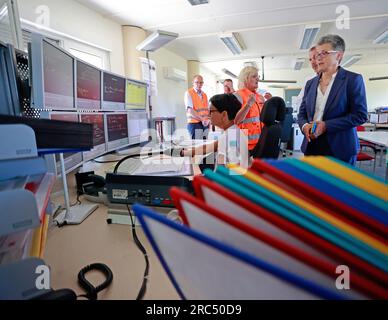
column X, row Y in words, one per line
column 66, row 88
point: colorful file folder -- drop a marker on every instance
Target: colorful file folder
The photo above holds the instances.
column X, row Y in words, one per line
column 278, row 230
column 261, row 243
column 219, row 271
column 322, row 213
column 322, row 194
column 302, row 217
column 362, row 181
column 247, row 210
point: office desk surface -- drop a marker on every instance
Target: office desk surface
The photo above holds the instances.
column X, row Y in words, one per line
column 376, row 137
column 71, row 248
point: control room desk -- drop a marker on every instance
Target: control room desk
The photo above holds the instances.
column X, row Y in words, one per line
column 71, row 248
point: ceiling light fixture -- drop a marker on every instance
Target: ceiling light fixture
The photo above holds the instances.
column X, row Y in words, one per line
column 382, row 38
column 229, row 73
column 309, row 35
column 156, row 40
column 378, row 78
column 272, row 81
column 250, row 64
column 350, row 60
column 299, row 63
column 198, row 2
column 231, row 41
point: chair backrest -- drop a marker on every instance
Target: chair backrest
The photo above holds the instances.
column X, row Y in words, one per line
column 272, row 115
column 287, row 125
column 360, row 128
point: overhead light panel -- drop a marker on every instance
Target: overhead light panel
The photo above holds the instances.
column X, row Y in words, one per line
column 350, row 60
column 250, row 64
column 231, row 41
column 299, row 63
column 309, row 35
column 278, row 81
column 229, row 73
column 378, row 78
column 277, row 86
column 198, row 2
column 382, row 38
column 156, row 40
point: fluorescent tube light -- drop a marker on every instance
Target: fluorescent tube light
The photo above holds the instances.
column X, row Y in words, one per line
column 378, row 78
column 229, row 73
column 299, row 63
column 198, row 2
column 350, row 60
column 382, row 38
column 232, row 43
column 309, row 35
column 156, row 40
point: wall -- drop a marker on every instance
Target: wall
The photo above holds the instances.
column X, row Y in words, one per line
column 377, row 91
column 170, row 99
column 210, row 86
column 74, row 19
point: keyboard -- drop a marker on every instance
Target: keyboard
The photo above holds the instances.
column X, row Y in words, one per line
column 156, row 167
column 129, row 166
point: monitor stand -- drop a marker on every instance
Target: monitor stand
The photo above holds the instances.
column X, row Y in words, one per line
column 76, row 214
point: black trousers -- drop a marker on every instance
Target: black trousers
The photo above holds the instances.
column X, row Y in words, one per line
column 319, row 147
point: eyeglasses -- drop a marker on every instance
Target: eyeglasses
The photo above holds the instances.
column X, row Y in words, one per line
column 324, row 53
column 200, row 82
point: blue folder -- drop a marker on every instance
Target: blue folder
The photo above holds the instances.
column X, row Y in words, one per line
column 276, row 204
column 145, row 214
column 354, row 197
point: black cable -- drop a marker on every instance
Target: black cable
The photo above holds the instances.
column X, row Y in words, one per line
column 143, row 288
column 112, row 161
column 91, row 291
column 78, row 201
column 149, row 154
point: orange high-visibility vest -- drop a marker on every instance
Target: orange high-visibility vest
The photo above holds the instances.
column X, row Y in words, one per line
column 200, row 105
column 251, row 122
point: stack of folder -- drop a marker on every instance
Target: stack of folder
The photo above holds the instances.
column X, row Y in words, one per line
column 313, row 228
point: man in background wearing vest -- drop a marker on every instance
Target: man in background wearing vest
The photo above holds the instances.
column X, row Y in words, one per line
column 197, row 110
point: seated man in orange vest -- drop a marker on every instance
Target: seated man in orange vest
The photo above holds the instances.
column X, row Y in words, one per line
column 197, row 110
column 248, row 118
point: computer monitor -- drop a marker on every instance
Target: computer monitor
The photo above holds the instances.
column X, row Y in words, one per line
column 88, row 87
column 72, row 160
column 9, row 89
column 99, row 142
column 136, row 95
column 113, row 92
column 52, row 75
column 138, row 127
column 116, row 130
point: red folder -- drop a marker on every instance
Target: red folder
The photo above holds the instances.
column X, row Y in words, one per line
column 340, row 256
column 367, row 287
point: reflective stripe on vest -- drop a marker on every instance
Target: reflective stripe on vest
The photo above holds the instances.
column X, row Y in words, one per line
column 200, row 105
column 254, row 137
column 252, row 120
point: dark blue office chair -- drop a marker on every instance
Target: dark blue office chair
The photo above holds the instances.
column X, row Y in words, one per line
column 272, row 115
column 287, row 131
